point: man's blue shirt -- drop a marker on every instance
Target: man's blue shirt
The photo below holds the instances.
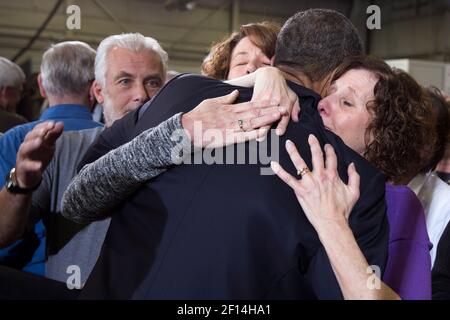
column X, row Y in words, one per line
column 28, row 253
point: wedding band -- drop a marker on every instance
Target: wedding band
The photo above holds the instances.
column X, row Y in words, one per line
column 302, row 172
column 241, row 125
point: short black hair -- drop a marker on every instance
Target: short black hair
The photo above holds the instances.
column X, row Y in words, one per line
column 316, row 41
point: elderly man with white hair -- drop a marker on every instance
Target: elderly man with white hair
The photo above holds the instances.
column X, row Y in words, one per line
column 129, row 69
column 67, row 73
column 12, row 79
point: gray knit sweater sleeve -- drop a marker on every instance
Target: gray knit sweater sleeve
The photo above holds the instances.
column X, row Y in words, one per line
column 101, row 185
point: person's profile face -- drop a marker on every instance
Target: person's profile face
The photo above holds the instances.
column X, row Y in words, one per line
column 344, row 109
column 132, row 78
column 10, row 97
column 246, row 58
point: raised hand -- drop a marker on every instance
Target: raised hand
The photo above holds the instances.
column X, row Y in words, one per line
column 36, row 152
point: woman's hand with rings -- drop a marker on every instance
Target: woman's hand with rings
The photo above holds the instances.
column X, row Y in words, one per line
column 324, row 197
column 218, row 122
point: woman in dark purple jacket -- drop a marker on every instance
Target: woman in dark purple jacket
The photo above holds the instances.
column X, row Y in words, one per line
column 408, row 269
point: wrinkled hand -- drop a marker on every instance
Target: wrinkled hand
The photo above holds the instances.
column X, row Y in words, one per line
column 321, row 193
column 36, row 152
column 215, row 122
column 270, row 85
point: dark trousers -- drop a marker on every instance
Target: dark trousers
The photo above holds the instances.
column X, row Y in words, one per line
column 18, row 285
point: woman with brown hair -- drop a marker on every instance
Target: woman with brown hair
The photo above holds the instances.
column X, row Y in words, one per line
column 385, row 116
column 242, row 52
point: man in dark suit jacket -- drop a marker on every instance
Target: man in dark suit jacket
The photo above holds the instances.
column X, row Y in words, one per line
column 224, row 231
column 441, row 269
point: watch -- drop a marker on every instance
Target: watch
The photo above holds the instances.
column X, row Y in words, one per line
column 12, row 185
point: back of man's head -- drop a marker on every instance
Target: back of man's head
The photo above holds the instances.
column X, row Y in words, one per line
column 134, row 42
column 314, row 42
column 11, row 75
column 67, row 69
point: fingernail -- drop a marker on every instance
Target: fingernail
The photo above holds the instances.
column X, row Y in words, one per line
column 282, row 109
column 263, row 135
column 289, row 144
column 261, row 139
column 279, row 132
column 275, row 166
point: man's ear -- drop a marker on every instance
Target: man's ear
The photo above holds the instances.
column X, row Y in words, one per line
column 41, row 87
column 272, row 60
column 92, row 99
column 98, row 92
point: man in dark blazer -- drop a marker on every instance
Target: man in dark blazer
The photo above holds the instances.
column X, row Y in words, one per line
column 224, row 231
column 441, row 270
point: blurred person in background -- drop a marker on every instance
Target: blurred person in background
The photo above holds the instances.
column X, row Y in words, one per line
column 67, row 73
column 12, row 80
column 433, row 193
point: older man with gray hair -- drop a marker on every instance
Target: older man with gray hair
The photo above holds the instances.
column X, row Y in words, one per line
column 67, row 73
column 12, row 79
column 130, row 69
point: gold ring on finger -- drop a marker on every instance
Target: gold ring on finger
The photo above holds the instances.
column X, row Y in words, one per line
column 241, row 125
column 302, row 172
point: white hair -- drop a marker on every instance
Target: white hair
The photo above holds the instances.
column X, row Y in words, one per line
column 67, row 68
column 11, row 75
column 135, row 42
